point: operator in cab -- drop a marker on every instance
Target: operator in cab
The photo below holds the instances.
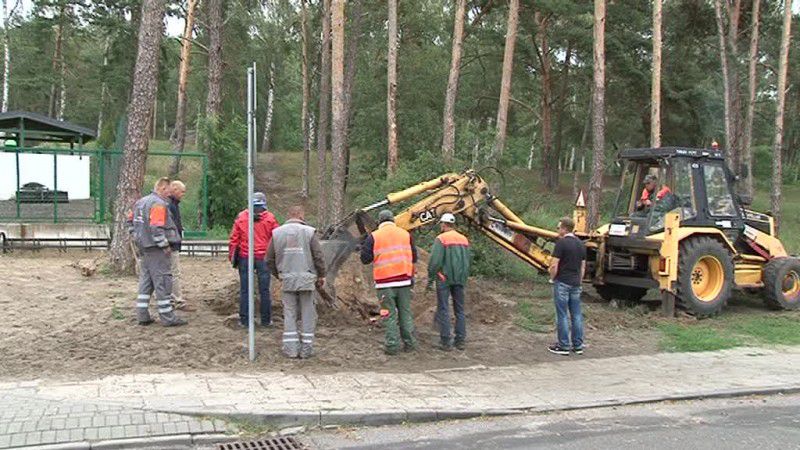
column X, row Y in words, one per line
column 649, row 194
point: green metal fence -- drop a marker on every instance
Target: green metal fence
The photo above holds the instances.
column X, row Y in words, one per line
column 47, row 203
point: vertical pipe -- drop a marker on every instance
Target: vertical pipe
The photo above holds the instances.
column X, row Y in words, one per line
column 204, row 223
column 101, row 189
column 55, row 187
column 16, row 153
column 250, row 182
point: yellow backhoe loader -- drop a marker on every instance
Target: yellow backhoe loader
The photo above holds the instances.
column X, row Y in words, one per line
column 694, row 239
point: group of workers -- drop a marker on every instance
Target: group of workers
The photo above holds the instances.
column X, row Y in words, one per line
column 293, row 253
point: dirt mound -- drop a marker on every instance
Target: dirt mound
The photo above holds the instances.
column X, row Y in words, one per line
column 356, row 299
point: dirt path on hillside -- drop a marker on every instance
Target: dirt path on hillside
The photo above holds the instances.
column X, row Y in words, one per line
column 58, row 323
column 281, row 193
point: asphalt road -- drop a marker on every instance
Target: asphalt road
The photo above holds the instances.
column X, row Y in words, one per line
column 746, row 423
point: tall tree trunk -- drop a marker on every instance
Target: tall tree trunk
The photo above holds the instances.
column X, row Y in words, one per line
column 154, row 117
column 752, row 85
column 549, row 160
column 581, row 153
column 339, row 123
column 777, row 143
column 734, row 10
column 391, row 88
column 215, row 24
column 655, row 88
column 350, row 66
column 183, row 77
column 103, row 87
column 323, row 191
column 145, row 84
column 505, row 84
column 8, row 15
column 304, row 108
column 729, row 140
column 267, row 141
column 56, row 65
column 562, row 104
column 449, row 121
column 598, row 115
column 62, row 89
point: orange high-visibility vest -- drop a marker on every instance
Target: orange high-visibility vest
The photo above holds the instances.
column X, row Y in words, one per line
column 453, row 237
column 393, row 259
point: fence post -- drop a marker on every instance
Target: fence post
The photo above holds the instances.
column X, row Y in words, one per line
column 204, row 224
column 101, row 191
column 16, row 153
column 55, row 187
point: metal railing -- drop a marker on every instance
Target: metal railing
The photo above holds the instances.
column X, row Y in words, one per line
column 97, row 208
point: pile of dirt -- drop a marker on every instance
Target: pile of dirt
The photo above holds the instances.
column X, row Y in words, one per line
column 356, row 299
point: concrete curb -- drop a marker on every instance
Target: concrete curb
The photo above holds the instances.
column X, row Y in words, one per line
column 155, row 441
column 327, row 418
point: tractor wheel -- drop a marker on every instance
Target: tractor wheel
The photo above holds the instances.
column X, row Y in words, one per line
column 610, row 292
column 782, row 283
column 705, row 276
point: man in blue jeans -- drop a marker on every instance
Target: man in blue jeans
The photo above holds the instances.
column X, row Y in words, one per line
column 567, row 267
column 264, row 223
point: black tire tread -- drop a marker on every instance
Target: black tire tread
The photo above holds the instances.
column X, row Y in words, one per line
column 771, row 277
column 688, row 248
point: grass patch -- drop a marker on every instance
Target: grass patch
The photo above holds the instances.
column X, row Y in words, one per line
column 683, row 338
column 533, row 317
column 770, row 330
column 249, row 427
column 116, row 314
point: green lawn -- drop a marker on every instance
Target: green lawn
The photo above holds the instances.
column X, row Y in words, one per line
column 731, row 331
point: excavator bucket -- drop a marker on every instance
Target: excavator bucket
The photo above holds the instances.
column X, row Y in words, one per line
column 338, row 243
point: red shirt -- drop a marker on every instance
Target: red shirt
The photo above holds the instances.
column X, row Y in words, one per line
column 263, row 235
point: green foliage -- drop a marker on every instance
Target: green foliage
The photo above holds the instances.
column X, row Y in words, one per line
column 227, row 172
column 534, row 317
column 684, row 338
column 780, row 330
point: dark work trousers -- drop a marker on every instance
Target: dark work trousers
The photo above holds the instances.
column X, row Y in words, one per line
column 262, row 271
column 443, row 294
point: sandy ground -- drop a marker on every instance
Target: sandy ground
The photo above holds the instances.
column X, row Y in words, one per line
column 62, row 324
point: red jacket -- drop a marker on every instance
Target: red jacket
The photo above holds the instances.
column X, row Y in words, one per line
column 263, row 229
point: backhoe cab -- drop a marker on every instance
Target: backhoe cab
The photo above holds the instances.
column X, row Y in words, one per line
column 678, row 226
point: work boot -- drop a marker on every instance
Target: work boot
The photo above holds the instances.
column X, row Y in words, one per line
column 143, row 316
column 444, row 346
column 460, row 345
column 175, row 323
column 391, row 351
column 306, row 353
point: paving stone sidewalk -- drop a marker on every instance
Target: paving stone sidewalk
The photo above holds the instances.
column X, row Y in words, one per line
column 161, row 404
column 28, row 418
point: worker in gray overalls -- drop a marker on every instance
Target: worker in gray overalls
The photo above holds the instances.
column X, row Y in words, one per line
column 155, row 233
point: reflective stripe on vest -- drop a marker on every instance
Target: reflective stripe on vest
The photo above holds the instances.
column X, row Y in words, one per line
column 453, row 238
column 392, row 252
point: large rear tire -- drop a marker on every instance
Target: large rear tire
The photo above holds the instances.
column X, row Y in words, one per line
column 782, row 283
column 705, row 276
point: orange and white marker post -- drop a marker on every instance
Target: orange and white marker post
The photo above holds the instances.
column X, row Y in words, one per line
column 579, row 214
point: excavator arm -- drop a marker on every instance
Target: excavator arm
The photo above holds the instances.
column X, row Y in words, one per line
column 468, row 196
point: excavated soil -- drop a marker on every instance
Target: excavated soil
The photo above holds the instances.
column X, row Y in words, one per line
column 59, row 322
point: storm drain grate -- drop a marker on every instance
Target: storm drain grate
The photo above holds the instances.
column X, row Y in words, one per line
column 276, row 443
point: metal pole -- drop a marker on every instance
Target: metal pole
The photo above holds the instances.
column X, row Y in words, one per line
column 251, row 88
column 204, row 223
column 55, row 188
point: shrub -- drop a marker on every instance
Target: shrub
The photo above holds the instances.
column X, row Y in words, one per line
column 227, row 171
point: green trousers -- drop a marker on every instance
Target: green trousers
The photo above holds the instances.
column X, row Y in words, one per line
column 398, row 320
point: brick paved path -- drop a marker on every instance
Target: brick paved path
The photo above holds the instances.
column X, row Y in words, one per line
column 48, row 411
